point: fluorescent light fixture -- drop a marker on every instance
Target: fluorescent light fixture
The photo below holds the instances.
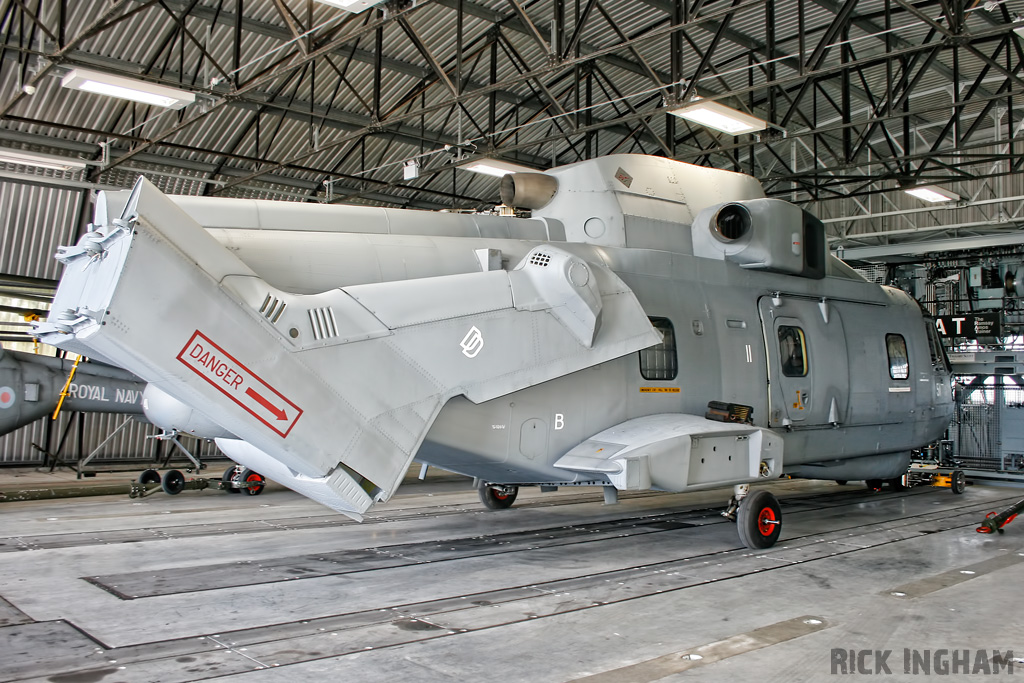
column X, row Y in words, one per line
column 354, row 6
column 57, row 163
column 411, row 169
column 933, row 194
column 496, row 167
column 127, row 88
column 720, row 117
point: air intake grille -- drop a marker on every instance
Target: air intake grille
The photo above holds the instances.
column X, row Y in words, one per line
column 272, row 308
column 540, row 259
column 323, row 323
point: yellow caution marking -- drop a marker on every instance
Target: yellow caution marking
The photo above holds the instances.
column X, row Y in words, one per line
column 64, row 392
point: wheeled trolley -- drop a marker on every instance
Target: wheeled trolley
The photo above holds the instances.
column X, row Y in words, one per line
column 235, row 479
column 931, row 474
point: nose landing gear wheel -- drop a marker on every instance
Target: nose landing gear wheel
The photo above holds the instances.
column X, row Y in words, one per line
column 759, row 520
column 149, row 477
column 497, row 497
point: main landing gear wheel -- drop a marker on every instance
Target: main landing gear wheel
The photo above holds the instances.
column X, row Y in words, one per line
column 957, row 481
column 173, row 482
column 896, row 484
column 841, row 482
column 248, row 476
column 497, row 497
column 227, row 478
column 874, row 484
column 759, row 520
column 149, row 477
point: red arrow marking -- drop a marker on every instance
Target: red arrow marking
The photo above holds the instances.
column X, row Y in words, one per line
column 230, row 377
column 278, row 413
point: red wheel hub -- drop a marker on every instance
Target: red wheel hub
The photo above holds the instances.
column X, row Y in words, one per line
column 766, row 521
column 256, row 478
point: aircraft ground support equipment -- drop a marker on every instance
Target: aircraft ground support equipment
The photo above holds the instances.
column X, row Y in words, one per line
column 173, row 482
column 994, row 523
column 936, row 475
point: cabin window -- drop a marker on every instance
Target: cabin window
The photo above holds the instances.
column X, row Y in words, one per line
column 659, row 361
column 899, row 361
column 792, row 351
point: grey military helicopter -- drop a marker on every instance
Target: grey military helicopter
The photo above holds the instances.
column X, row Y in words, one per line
column 31, row 386
column 652, row 325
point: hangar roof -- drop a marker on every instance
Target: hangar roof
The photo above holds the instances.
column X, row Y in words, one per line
column 300, row 100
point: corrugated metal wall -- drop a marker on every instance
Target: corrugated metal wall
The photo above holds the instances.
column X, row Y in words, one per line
column 129, row 446
column 34, row 221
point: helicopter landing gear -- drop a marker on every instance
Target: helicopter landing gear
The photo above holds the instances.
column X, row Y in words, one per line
column 757, row 515
column 759, row 520
column 497, row 497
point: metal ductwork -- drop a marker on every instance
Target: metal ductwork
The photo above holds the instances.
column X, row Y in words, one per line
column 1013, row 281
column 528, row 190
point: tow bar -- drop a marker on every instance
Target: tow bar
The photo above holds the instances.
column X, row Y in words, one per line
column 994, row 522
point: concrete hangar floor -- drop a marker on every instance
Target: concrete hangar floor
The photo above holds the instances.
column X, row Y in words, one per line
column 432, row 587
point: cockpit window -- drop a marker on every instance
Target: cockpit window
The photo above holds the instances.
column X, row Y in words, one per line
column 659, row 361
column 938, row 353
column 792, row 351
column 899, row 361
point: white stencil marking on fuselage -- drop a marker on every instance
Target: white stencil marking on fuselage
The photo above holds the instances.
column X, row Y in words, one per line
column 472, row 343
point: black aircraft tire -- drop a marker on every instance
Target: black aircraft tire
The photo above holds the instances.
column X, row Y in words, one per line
column 957, row 481
column 759, row 520
column 227, row 478
column 874, row 484
column 250, row 476
column 841, row 482
column 896, row 484
column 495, row 499
column 173, row 482
column 149, row 477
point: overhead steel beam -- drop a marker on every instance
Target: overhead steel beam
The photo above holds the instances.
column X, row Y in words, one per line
column 581, row 23
column 655, row 77
column 531, row 30
column 225, row 17
column 814, row 62
column 643, row 120
column 207, row 169
column 880, row 253
column 34, row 18
column 195, row 41
column 512, row 23
column 238, row 22
column 705, row 60
column 91, row 29
column 425, row 52
column 824, row 70
column 466, row 95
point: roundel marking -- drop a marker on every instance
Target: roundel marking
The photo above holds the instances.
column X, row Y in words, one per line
column 6, row 397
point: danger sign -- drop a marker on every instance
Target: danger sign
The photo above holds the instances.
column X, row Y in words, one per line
column 238, row 383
